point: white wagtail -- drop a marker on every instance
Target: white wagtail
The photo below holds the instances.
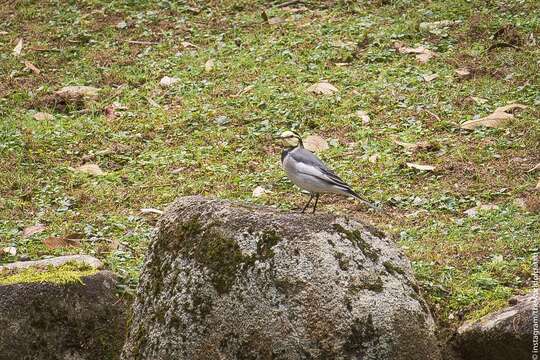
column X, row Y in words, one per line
column 308, row 172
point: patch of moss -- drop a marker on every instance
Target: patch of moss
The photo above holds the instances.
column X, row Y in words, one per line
column 65, row 274
column 343, row 263
column 393, row 268
column 361, row 334
column 355, row 237
column 219, row 253
column 372, row 283
column 265, row 244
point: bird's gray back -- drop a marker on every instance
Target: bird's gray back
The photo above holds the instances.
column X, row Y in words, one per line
column 305, row 156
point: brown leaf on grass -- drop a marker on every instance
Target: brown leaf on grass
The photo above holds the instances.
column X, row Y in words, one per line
column 463, row 73
column 55, row 242
column 28, row 65
column 209, row 66
column 34, row 229
column 187, row 45
column 435, row 25
column 18, row 48
column 419, row 146
column 110, row 112
column 538, row 185
column 243, row 91
column 91, row 169
column 322, row 88
column 259, row 191
column 315, row 143
column 151, row 211
column 43, row 116
column 77, row 92
column 8, row 250
column 429, row 77
column 536, row 167
column 496, row 119
column 373, row 158
column 364, row 116
column 422, row 54
column 275, row 20
column 421, row 167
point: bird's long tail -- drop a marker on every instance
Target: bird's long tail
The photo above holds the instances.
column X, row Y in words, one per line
column 364, row 201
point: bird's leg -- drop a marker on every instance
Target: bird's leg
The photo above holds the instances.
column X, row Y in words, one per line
column 316, row 200
column 309, row 201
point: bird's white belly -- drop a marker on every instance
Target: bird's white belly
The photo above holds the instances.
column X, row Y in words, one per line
column 306, row 182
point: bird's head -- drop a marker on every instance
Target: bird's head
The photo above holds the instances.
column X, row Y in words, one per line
column 291, row 138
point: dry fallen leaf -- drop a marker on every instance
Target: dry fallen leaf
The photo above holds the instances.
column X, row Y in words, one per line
column 42, row 116
column 536, row 167
column 323, row 88
column 151, row 211
column 209, row 65
column 244, row 91
column 315, row 143
column 91, row 169
column 18, row 48
column 463, row 73
column 364, row 116
column 110, row 112
column 373, row 158
column 538, row 185
column 34, row 229
column 78, row 92
column 422, row 145
column 259, row 191
column 422, row 54
column 167, row 81
column 8, row 250
column 187, row 44
column 421, row 167
column 28, row 65
column 275, row 20
column 472, row 212
column 55, row 242
column 429, row 77
column 435, row 25
column 496, row 119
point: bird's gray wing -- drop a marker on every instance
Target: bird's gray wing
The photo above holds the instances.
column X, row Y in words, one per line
column 310, row 164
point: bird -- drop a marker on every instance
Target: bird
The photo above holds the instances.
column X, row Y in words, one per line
column 309, row 173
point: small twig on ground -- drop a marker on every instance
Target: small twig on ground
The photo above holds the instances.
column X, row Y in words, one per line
column 435, row 116
column 288, row 3
column 502, row 45
column 44, row 49
column 140, row 42
column 155, row 186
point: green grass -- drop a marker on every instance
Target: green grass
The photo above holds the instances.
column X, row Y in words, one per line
column 466, row 266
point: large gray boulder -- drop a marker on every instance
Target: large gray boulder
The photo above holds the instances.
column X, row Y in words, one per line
column 224, row 280
column 503, row 335
column 77, row 321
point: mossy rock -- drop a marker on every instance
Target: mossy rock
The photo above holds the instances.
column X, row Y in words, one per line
column 69, row 312
column 65, row 274
column 227, row 280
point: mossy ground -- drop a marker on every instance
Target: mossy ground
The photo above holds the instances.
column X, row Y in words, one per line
column 65, row 274
column 166, row 143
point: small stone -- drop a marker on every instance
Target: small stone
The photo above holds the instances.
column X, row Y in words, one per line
column 121, row 25
column 222, row 120
column 259, row 191
column 167, row 81
column 42, row 116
